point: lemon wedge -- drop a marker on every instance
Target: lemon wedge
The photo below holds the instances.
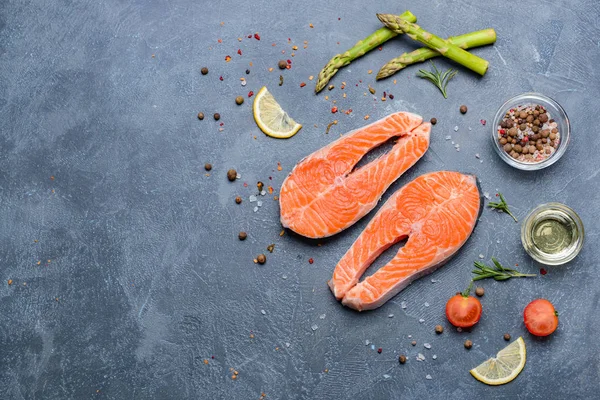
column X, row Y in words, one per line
column 271, row 118
column 503, row 368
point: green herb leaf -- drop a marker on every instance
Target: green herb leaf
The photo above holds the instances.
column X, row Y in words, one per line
column 439, row 79
column 498, row 272
column 502, row 206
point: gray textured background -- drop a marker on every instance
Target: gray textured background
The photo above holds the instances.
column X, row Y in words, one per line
column 145, row 262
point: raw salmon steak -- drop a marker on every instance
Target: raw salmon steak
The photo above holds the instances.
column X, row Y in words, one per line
column 436, row 212
column 323, row 195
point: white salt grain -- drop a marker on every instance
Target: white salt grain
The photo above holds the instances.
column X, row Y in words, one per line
column 390, row 315
column 314, row 327
column 263, row 312
column 426, row 304
column 403, row 305
column 448, row 137
column 434, row 357
column 259, row 203
column 421, row 320
column 263, row 193
column 255, row 209
column 386, row 376
column 367, row 342
column 284, row 276
column 481, row 256
column 322, row 316
column 477, row 155
column 420, row 357
column 456, row 128
column 428, row 377
column 287, row 344
column 252, row 198
column 427, row 345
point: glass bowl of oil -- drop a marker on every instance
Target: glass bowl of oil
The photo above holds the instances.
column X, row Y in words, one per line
column 552, row 234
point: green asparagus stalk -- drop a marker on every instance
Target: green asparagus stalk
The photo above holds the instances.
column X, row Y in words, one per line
column 375, row 39
column 434, row 42
column 466, row 41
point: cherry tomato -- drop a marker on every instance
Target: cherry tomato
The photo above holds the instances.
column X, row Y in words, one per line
column 463, row 311
column 541, row 319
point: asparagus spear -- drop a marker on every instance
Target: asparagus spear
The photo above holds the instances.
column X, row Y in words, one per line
column 466, row 41
column 434, row 42
column 375, row 39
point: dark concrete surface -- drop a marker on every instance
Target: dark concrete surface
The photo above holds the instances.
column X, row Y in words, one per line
column 126, row 268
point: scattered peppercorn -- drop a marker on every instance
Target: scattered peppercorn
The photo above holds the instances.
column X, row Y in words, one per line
column 433, row 121
column 242, row 235
column 204, row 70
column 402, row 359
column 271, row 247
column 414, row 342
column 282, row 64
column 247, row 72
column 310, row 260
column 200, row 116
column 239, row 100
column 463, row 109
column 479, row 291
column 260, row 186
column 261, row 258
column 468, row 344
column 217, row 116
column 208, row 166
column 439, row 329
column 10, row 282
column 379, row 350
column 232, row 175
column 238, row 200
column 302, row 84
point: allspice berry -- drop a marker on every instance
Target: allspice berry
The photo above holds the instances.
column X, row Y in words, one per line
column 208, row 166
column 468, row 344
column 261, row 258
column 439, row 329
column 238, row 200
column 204, row 70
column 200, row 116
column 433, row 121
column 507, row 337
column 239, row 100
column 479, row 291
column 282, row 64
column 402, row 359
column 232, row 175
column 217, row 116
column 242, row 235
column 463, row 109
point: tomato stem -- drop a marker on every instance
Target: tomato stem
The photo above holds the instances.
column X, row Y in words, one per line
column 467, row 291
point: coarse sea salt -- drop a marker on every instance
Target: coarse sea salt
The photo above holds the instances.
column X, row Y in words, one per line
column 448, row 137
column 403, row 304
column 263, row 193
column 259, row 203
column 386, row 376
column 263, row 312
column 456, row 128
column 367, row 342
column 420, row 357
column 314, row 327
column 428, row 377
column 255, row 209
column 252, row 198
column 426, row 304
column 427, row 345
column 434, row 356
column 322, row 316
column 477, row 155
column 421, row 320
column 481, row 256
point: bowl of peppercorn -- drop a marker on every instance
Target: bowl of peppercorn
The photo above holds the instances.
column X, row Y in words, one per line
column 531, row 131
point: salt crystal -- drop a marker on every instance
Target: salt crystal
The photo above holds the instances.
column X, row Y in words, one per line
column 486, row 195
column 410, row 336
column 287, row 344
column 428, row 377
column 386, row 376
column 458, row 149
column 498, row 241
column 284, row 276
column 426, row 304
column 456, row 129
column 259, row 203
column 434, row 281
column 390, row 315
column 427, row 345
column 421, row 320
column 322, row 316
column 244, row 83
column 469, row 128
column 477, row 155
column 238, row 176
column 263, row 193
column 448, row 137
column 453, row 142
column 367, row 342
column 252, row 198
column 457, row 145
column 314, row 327
column 372, row 347
column 420, row 357
column 434, row 357
column 255, row 209
column 263, row 312
column 481, row 256
column 459, row 329
column 403, row 304
column 481, row 161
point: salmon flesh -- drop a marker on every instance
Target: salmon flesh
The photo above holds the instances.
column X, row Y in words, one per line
column 437, row 212
column 324, row 194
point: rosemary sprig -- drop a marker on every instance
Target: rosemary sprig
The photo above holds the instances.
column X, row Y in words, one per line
column 438, row 78
column 497, row 272
column 502, row 206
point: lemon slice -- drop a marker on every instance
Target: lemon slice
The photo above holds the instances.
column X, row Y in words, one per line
column 271, row 118
column 505, row 367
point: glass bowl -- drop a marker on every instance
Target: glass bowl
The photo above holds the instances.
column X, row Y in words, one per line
column 537, row 220
column 556, row 112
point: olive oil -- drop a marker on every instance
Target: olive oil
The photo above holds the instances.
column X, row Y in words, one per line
column 552, row 234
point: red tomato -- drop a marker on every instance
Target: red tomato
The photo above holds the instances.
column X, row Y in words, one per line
column 541, row 319
column 463, row 311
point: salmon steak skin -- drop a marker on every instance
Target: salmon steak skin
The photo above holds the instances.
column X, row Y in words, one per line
column 436, row 213
column 323, row 195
